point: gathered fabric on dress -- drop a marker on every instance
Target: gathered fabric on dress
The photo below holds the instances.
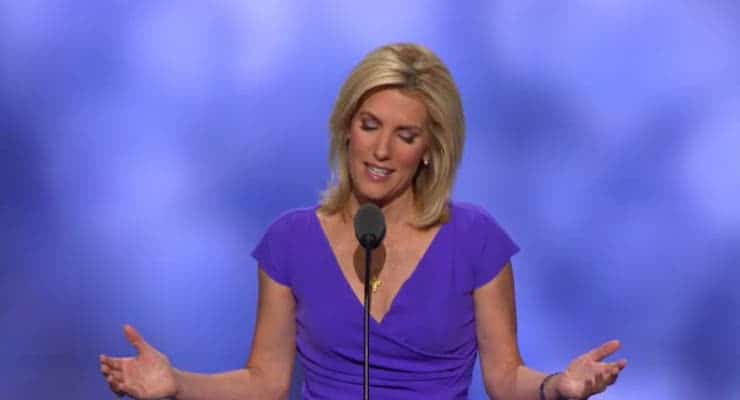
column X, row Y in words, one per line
column 425, row 347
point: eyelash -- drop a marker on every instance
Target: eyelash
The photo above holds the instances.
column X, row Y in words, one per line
column 369, row 126
column 408, row 139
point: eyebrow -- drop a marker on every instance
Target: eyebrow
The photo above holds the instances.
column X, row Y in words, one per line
column 409, row 127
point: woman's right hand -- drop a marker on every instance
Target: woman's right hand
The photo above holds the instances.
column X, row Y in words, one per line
column 147, row 376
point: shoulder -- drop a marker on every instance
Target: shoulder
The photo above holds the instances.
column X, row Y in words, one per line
column 478, row 226
column 291, row 224
column 469, row 216
column 280, row 246
column 481, row 243
column 292, row 219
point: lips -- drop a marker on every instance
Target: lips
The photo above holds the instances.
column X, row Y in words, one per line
column 377, row 172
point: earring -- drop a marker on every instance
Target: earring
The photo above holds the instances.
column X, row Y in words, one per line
column 426, row 162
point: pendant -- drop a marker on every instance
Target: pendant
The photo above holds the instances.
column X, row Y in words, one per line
column 375, row 284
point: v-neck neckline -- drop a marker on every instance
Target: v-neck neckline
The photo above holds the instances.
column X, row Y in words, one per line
column 346, row 284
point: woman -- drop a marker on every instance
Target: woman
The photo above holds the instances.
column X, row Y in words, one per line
column 442, row 282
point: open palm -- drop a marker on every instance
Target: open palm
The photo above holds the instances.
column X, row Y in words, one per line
column 589, row 374
column 148, row 376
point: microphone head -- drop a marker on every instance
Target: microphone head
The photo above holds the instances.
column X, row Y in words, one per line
column 369, row 226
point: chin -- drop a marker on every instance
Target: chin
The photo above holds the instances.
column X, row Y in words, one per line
column 379, row 198
column 364, row 197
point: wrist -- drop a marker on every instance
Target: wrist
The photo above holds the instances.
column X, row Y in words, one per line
column 178, row 377
column 549, row 387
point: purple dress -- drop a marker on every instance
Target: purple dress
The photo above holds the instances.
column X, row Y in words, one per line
column 425, row 347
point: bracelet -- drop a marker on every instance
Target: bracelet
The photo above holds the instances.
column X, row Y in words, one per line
column 544, row 381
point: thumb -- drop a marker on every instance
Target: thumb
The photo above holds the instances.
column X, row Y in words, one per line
column 135, row 338
column 604, row 350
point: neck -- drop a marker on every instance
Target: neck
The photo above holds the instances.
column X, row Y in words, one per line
column 400, row 210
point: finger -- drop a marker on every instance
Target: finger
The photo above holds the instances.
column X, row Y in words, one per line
column 119, row 389
column 610, row 369
column 112, row 382
column 113, row 362
column 117, row 386
column 617, row 366
column 114, row 377
column 612, row 373
column 612, row 379
column 599, row 383
column 106, row 370
column 588, row 387
column 115, row 374
column 132, row 391
column 604, row 350
column 135, row 338
column 110, row 362
column 114, row 389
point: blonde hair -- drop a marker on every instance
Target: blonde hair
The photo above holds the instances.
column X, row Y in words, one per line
column 417, row 71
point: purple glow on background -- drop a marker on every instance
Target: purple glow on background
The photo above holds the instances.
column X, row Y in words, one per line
column 145, row 147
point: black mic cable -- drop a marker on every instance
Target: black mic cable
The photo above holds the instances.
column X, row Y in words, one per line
column 370, row 231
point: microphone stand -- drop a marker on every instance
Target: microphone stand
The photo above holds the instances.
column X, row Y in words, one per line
column 370, row 230
column 366, row 328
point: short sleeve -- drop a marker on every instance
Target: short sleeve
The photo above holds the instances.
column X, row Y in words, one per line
column 496, row 249
column 271, row 251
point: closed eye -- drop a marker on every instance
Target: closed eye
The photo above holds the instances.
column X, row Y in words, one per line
column 408, row 137
column 368, row 124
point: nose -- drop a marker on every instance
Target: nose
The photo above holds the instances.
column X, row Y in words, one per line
column 382, row 149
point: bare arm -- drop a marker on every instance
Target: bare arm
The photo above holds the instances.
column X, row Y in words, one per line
column 267, row 374
column 504, row 373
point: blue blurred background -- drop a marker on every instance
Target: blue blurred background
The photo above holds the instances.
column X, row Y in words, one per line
column 145, row 147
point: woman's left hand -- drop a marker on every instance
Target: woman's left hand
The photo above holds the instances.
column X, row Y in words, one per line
column 589, row 374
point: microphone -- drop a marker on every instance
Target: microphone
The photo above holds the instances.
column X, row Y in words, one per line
column 369, row 226
column 370, row 231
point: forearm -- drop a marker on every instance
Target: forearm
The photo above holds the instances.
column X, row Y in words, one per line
column 522, row 383
column 241, row 384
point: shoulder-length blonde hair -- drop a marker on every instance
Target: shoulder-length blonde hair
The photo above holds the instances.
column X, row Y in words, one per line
column 415, row 70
